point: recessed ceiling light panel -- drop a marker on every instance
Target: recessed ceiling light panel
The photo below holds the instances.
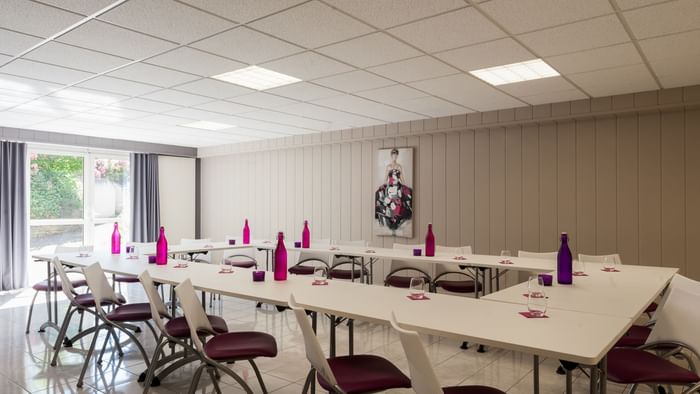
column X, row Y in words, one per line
column 516, row 72
column 206, row 125
column 257, row 78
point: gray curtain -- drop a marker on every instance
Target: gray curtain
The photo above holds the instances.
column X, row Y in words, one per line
column 145, row 201
column 14, row 246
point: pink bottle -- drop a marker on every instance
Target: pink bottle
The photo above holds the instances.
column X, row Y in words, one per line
column 306, row 236
column 246, row 233
column 280, row 258
column 430, row 241
column 162, row 248
column 116, row 239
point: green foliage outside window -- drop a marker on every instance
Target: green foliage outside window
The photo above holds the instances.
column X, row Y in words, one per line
column 56, row 187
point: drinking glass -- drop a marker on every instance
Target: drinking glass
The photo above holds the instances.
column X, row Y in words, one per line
column 506, row 253
column 416, row 289
column 133, row 252
column 579, row 267
column 225, row 266
column 320, row 275
column 84, row 251
column 536, row 298
column 608, row 263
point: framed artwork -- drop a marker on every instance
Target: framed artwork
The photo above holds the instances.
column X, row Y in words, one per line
column 393, row 198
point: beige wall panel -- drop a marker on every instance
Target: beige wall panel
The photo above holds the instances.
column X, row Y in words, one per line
column 497, row 190
column 649, row 189
column 692, row 190
column 673, row 190
column 466, row 188
column 307, row 178
column 482, row 192
column 401, row 142
column 606, row 186
column 452, row 208
column 628, row 189
column 585, row 187
column 549, row 239
column 423, row 189
column 327, row 191
column 367, row 192
column 566, row 181
column 299, row 217
column 514, row 189
column 439, row 189
column 317, row 193
column 376, row 240
column 356, row 192
column 531, row 189
column 335, row 188
column 345, row 185
column 274, row 195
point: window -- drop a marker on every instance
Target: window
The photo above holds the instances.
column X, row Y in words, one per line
column 75, row 197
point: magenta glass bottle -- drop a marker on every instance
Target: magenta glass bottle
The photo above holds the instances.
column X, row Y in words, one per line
column 246, row 233
column 162, row 248
column 430, row 241
column 306, row 236
column 116, row 239
column 280, row 258
column 564, row 262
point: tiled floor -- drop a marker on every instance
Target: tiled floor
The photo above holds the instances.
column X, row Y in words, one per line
column 24, row 359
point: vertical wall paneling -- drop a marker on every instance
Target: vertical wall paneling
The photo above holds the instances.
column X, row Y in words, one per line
column 692, row 189
column 376, row 145
column 316, row 192
column 424, row 188
column 367, row 191
column 482, row 192
column 566, row 180
column 326, row 190
column 514, row 189
column 627, row 189
column 307, row 180
column 531, row 188
column 649, row 189
column 606, row 185
column 673, row 190
column 439, row 189
column 335, row 189
column 548, row 187
column 585, row 187
column 497, row 190
column 345, row 186
column 452, row 176
column 466, row 187
column 356, row 192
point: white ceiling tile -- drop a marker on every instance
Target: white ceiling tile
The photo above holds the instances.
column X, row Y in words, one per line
column 145, row 73
column 575, row 37
column 4, row 59
column 312, row 25
column 666, row 18
column 595, row 59
column 554, row 97
column 195, row 62
column 246, row 45
column 117, row 85
column 467, row 91
column 418, row 68
column 177, row 98
column 455, row 29
column 101, row 36
column 122, row 113
column 353, row 81
column 262, row 100
column 44, row 72
column 226, row 107
column 75, row 57
column 387, row 13
column 620, row 80
column 391, row 94
column 145, row 105
column 488, row 54
column 370, row 50
column 288, row 119
column 33, row 86
column 194, row 113
column 213, row 88
column 166, row 120
column 674, row 58
column 94, row 97
column 628, row 4
column 537, row 86
column 334, row 117
column 34, row 18
column 431, row 106
column 367, row 108
column 18, row 119
column 307, row 65
column 304, row 91
column 13, row 43
column 243, row 10
column 83, row 7
column 56, row 106
column 166, row 19
column 520, row 16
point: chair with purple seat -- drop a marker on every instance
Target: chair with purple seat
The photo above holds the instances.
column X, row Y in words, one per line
column 423, row 378
column 346, row 374
column 117, row 280
column 47, row 285
column 222, row 348
column 673, row 338
column 453, row 279
column 173, row 331
column 308, row 261
column 242, row 258
column 117, row 319
column 401, row 271
column 356, row 271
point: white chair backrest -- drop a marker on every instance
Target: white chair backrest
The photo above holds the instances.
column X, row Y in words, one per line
column 314, row 353
column 678, row 281
column 316, row 243
column 442, row 268
column 398, row 264
column 197, row 320
column 66, row 284
column 99, row 286
column 158, row 308
column 538, row 255
column 423, row 378
column 250, row 252
column 202, row 241
column 588, row 258
column 679, row 319
column 359, row 244
column 73, row 249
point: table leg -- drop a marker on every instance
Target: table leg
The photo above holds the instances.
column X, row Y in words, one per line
column 603, row 375
column 204, row 300
column 332, row 351
column 536, row 374
column 173, row 301
column 314, row 321
column 594, row 379
column 351, row 336
column 51, row 304
column 569, row 386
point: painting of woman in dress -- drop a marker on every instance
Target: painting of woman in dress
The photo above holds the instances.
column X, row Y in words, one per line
column 393, row 200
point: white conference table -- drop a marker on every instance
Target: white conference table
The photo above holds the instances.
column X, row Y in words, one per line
column 626, row 293
column 568, row 335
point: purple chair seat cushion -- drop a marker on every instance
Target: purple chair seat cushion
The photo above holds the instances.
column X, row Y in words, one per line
column 636, row 336
column 302, row 270
column 240, row 263
column 243, row 345
column 126, row 279
column 471, row 390
column 365, row 374
column 651, row 308
column 457, row 286
column 398, row 281
column 130, row 313
column 338, row 273
column 628, row 366
column 88, row 301
column 46, row 285
column 178, row 327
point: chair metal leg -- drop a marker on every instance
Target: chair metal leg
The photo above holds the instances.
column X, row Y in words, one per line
column 31, row 309
column 80, row 325
column 104, row 347
column 237, row 378
column 214, row 379
column 151, row 368
column 257, row 373
column 195, row 379
column 307, row 382
column 62, row 334
column 87, row 357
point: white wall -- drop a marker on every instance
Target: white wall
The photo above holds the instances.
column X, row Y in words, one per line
column 177, row 197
